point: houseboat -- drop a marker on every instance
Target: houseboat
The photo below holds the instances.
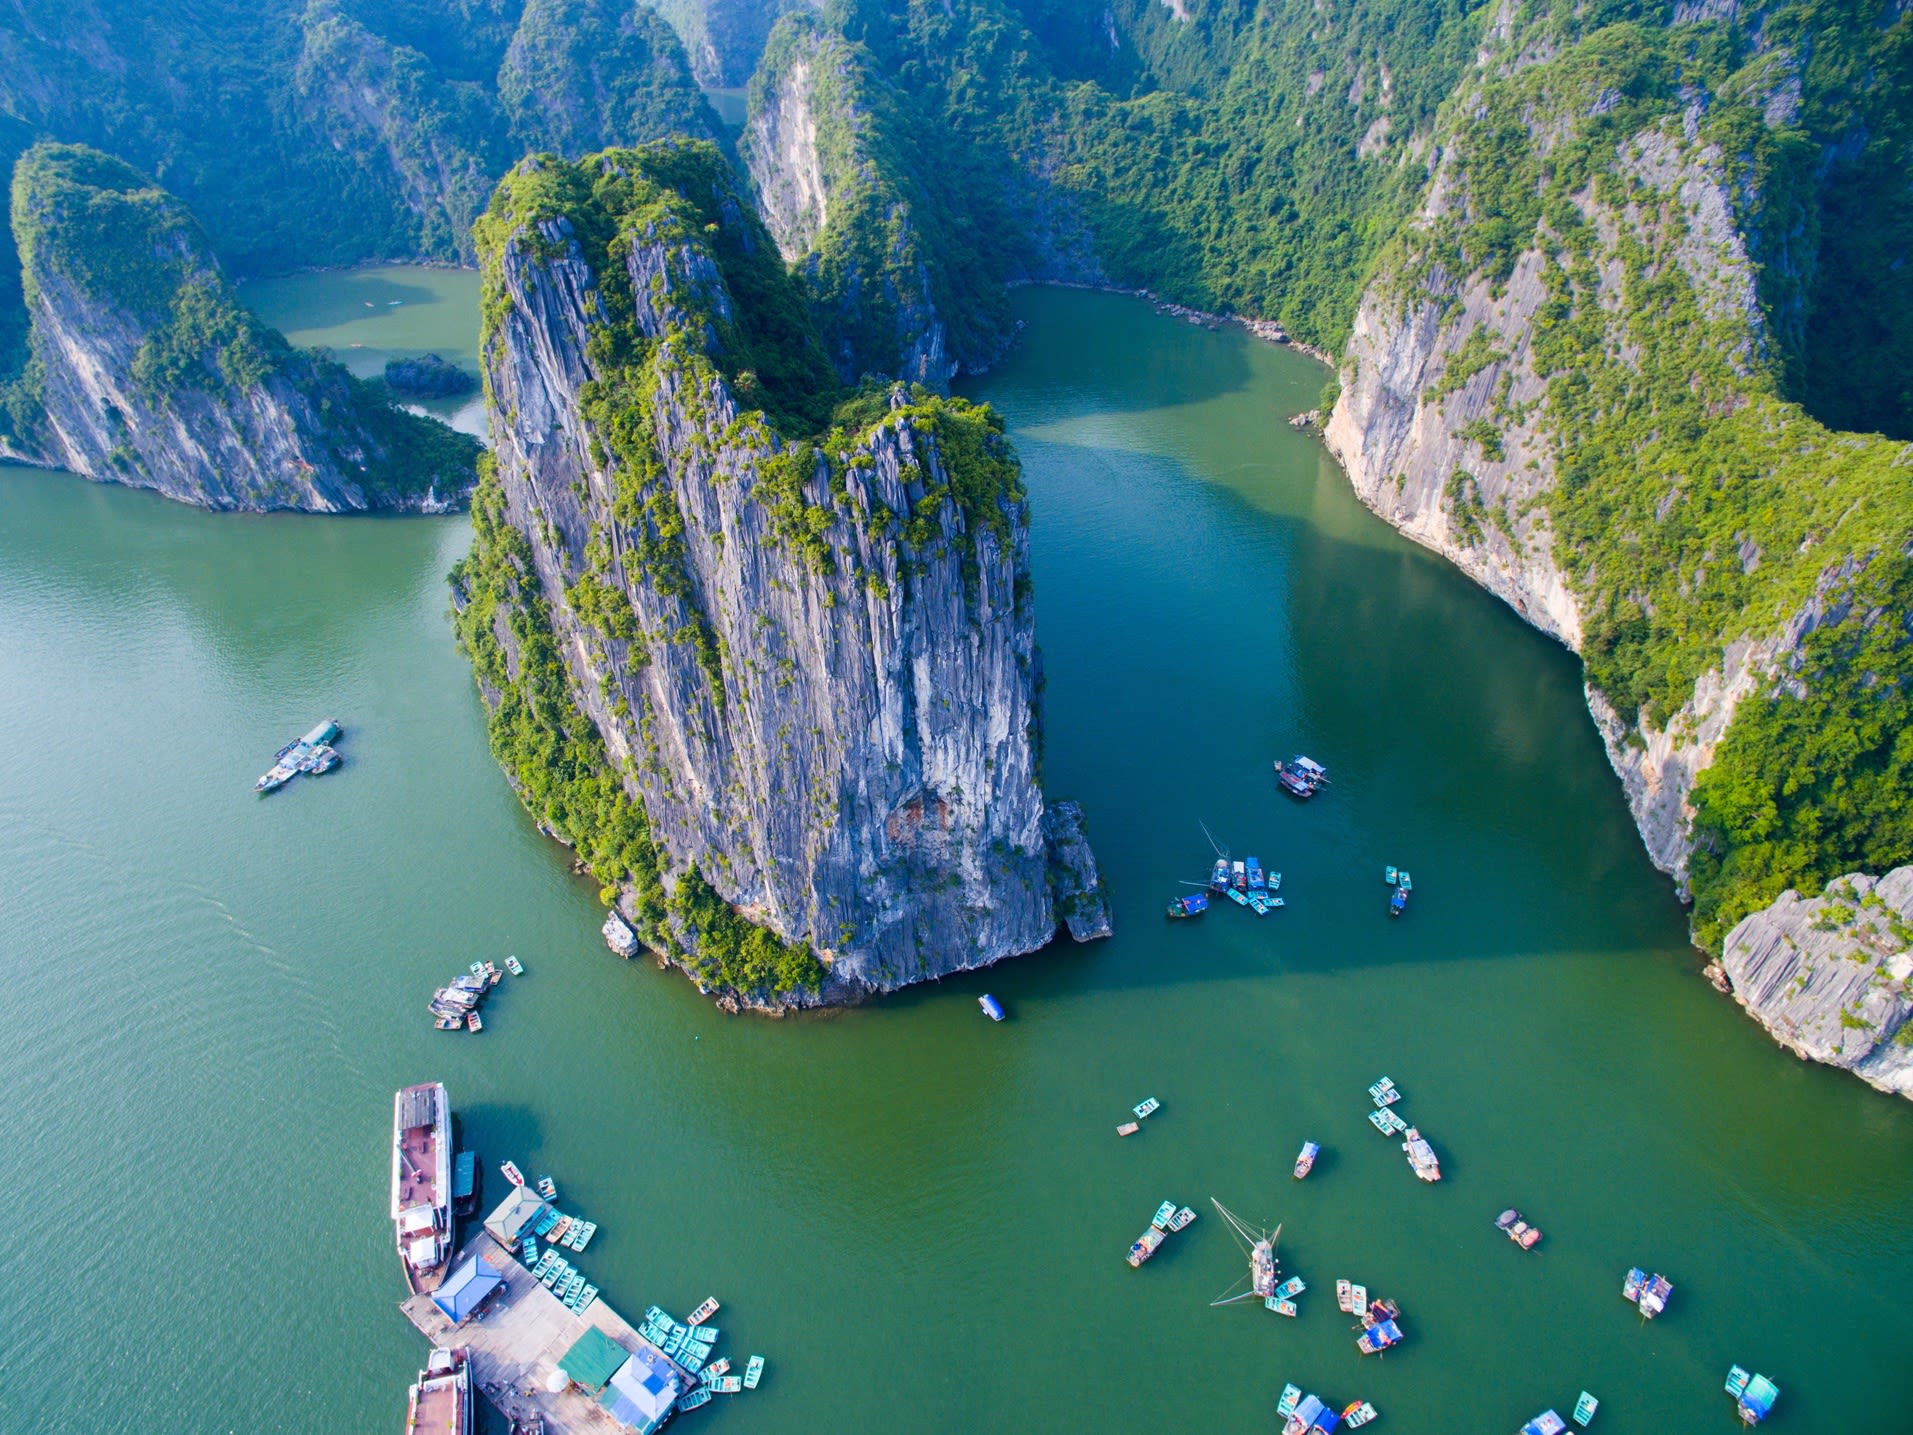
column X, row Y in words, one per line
column 441, row 1401
column 422, row 1182
column 1301, row 777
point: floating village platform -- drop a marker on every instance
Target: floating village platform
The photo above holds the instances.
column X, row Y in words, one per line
column 520, row 1336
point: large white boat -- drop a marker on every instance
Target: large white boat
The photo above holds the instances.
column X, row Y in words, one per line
column 441, row 1402
column 422, row 1182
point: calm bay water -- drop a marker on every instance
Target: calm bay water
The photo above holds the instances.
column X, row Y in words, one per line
column 918, row 1216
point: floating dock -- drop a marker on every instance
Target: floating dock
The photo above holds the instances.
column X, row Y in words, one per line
column 519, row 1338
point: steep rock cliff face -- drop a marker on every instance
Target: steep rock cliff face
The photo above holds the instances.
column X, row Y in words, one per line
column 1827, row 976
column 1528, row 378
column 724, row 37
column 146, row 371
column 812, row 667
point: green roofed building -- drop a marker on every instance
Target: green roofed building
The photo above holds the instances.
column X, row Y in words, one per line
column 593, row 1360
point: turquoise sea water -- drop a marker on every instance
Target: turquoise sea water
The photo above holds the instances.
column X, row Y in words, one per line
column 918, row 1216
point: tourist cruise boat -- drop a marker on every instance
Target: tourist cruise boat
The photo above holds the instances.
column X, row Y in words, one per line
column 441, row 1401
column 422, row 1182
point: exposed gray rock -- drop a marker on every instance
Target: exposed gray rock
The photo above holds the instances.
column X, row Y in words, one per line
column 1827, row 976
column 859, row 772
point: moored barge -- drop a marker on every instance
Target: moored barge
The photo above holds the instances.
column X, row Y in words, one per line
column 422, row 1182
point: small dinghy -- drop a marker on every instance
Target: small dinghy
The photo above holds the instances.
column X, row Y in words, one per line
column 1378, row 1338
column 1280, row 1305
column 992, row 1008
column 1507, row 1219
column 1342, row 1297
column 1193, row 905
column 1584, row 1409
column 695, row 1398
column 477, row 969
column 1525, row 1236
column 1291, row 1397
column 1358, row 1301
column 1383, row 1093
column 1546, row 1423
column 514, row 966
column 1305, row 1162
column 1145, row 1109
column 1291, row 1287
column 1183, row 1219
column 1129, row 1128
column 1165, row 1213
column 702, row 1313
column 1379, row 1119
column 474, row 1022
column 1407, row 883
column 1359, row 1414
column 753, row 1372
column 548, row 1188
column 1388, row 875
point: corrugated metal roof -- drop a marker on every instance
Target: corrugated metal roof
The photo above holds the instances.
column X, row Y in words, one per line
column 593, row 1359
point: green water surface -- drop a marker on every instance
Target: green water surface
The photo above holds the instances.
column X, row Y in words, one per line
column 918, row 1216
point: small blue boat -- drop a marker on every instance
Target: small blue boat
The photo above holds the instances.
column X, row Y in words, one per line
column 1407, row 883
column 1219, row 879
column 1584, row 1409
column 1378, row 1338
column 1546, row 1423
column 1238, row 896
column 1257, row 881
column 1388, row 875
column 1193, row 905
column 753, row 1372
column 1398, row 901
column 992, row 1008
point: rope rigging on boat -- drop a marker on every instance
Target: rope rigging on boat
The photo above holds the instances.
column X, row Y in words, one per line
column 1221, row 851
column 1259, row 1246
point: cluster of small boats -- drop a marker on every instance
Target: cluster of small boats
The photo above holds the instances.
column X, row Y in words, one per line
column 1167, row 1220
column 1550, row 1423
column 1301, row 777
column 1243, row 882
column 1650, row 1293
column 1402, row 884
column 456, row 1005
column 1517, row 1230
column 1144, row 1109
column 1421, row 1156
column 688, row 1343
column 310, row 755
column 1304, row 1414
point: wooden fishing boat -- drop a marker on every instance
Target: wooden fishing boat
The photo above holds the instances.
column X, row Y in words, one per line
column 1359, row 1414
column 1165, row 1213
column 1397, row 901
column 1219, row 878
column 1584, row 1409
column 1378, row 1118
column 1305, row 1162
column 1146, row 1108
column 705, row 1333
column 1146, row 1245
column 1507, row 1219
column 1239, row 897
column 477, row 969
column 1257, row 882
column 753, row 1372
column 1343, row 1295
column 1654, row 1295
column 548, row 1188
column 474, row 1022
column 1631, row 1284
column 1407, row 883
column 1358, row 1301
column 1291, row 1397
column 514, row 966
column 1378, row 1337
column 1182, row 1220
column 1546, row 1423
column 1301, row 777
column 1421, row 1156
column 1281, row 1305
column 1527, row 1238
column 1388, row 875
column 1129, row 1128
column 1384, row 1093
column 1192, row 905
column 693, row 1399
column 1293, row 1286
column 1259, row 1246
column 703, row 1312
column 447, row 1023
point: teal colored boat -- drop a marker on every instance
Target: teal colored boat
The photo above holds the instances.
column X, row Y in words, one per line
column 753, row 1372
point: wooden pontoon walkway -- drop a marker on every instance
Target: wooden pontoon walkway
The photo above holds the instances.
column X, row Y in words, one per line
column 517, row 1340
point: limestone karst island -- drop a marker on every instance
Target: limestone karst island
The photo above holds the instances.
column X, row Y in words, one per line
column 735, row 698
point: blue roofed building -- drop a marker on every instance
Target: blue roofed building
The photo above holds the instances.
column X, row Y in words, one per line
column 466, row 1289
column 641, row 1394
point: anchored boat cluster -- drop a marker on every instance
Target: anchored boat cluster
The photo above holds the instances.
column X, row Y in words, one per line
column 312, row 754
column 516, row 1319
